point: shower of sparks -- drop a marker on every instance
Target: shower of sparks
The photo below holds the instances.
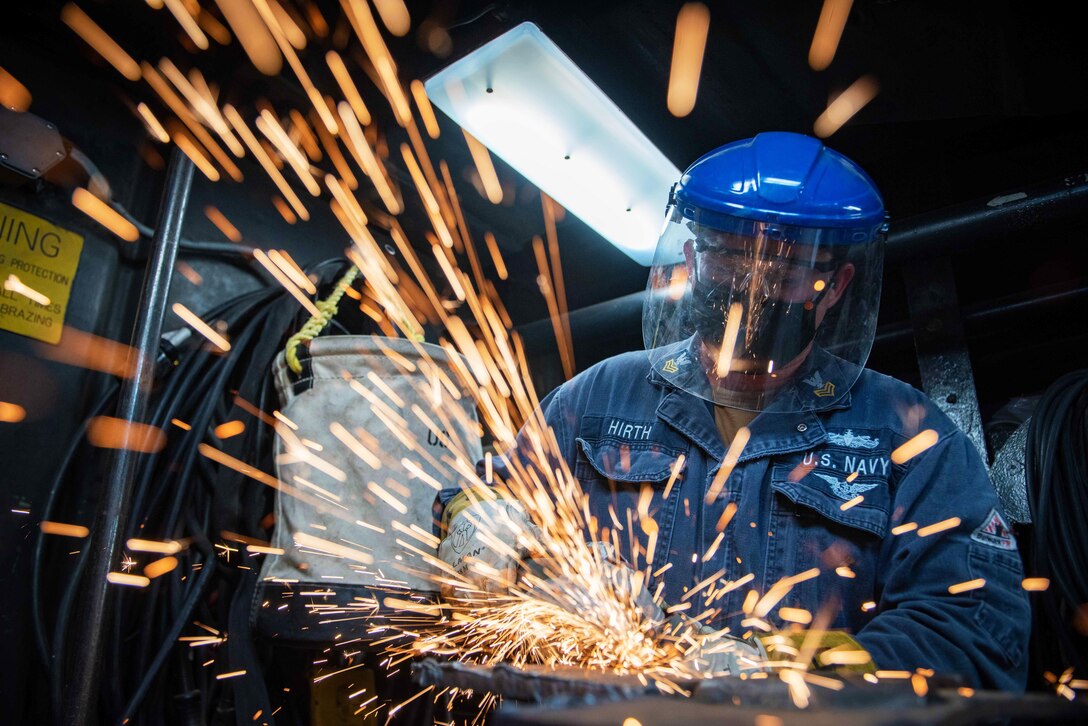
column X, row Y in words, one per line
column 575, row 608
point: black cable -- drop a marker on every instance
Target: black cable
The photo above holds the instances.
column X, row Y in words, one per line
column 47, row 512
column 180, row 494
column 1056, row 468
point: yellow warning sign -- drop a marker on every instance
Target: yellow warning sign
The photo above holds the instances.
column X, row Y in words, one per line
column 38, row 262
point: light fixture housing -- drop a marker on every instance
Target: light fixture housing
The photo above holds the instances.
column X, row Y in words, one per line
column 524, row 99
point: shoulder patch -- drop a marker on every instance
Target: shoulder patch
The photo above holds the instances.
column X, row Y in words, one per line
column 994, row 532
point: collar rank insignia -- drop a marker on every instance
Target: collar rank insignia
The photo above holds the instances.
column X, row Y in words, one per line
column 670, row 366
column 820, row 388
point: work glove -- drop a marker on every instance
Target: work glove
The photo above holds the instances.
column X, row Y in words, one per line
column 832, row 651
column 485, row 543
column 706, row 651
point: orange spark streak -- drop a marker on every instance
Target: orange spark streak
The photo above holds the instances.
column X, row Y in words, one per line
column 966, row 586
column 347, row 86
column 64, row 530
column 426, row 111
column 13, row 95
column 232, row 674
column 256, row 41
column 160, row 567
column 153, row 124
column 296, row 65
column 14, row 284
column 692, row 23
column 104, row 214
column 848, row 103
column 941, row 526
column 11, row 412
column 107, row 432
column 124, row 578
column 228, row 429
column 914, row 446
column 190, row 149
column 277, row 273
column 270, row 126
column 150, row 545
column 85, row 350
column 362, row 22
column 222, row 223
column 825, row 40
column 266, row 162
column 93, row 35
column 736, row 447
column 187, row 23
column 306, row 135
column 201, row 327
column 290, row 268
column 394, row 16
column 370, row 163
column 496, row 255
column 171, row 99
column 486, row 169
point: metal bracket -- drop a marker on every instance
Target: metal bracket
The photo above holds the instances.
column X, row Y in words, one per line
column 29, row 145
column 942, row 349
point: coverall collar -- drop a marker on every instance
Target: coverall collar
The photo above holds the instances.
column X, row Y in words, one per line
column 771, row 432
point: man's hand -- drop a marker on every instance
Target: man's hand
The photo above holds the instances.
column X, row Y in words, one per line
column 485, row 543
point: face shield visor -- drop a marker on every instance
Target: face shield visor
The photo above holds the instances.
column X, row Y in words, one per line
column 759, row 315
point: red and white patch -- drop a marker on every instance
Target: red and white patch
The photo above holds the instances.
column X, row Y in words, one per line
column 995, row 532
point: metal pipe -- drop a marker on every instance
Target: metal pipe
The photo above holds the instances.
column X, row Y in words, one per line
column 995, row 217
column 922, row 235
column 980, row 314
column 84, row 677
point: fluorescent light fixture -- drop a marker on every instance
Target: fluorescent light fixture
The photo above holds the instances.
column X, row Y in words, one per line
column 524, row 99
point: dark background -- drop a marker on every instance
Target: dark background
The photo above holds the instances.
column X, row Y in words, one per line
column 978, row 100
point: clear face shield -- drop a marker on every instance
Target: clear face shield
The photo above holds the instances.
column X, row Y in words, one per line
column 755, row 315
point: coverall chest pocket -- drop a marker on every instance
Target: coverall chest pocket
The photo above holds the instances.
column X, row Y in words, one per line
column 815, row 529
column 625, row 482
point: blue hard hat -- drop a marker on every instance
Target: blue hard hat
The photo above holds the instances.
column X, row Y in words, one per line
column 784, row 179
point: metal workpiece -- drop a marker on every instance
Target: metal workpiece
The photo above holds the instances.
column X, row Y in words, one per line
column 85, row 675
column 943, row 359
column 563, row 695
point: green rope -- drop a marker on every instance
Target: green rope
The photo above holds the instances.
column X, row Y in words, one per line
column 313, row 327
